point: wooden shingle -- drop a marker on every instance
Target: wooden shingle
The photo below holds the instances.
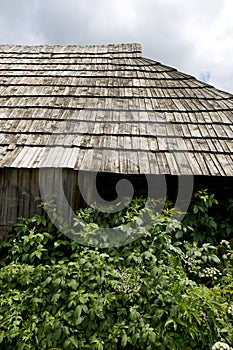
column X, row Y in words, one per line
column 106, row 108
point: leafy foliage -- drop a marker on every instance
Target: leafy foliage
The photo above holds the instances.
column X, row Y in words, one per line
column 170, row 289
column 208, row 220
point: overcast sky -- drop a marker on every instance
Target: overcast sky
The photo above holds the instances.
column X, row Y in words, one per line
column 194, row 36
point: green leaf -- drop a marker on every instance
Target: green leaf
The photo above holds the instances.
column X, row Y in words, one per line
column 170, row 321
column 124, row 340
column 73, row 284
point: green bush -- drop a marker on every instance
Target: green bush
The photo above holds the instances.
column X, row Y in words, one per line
column 162, row 291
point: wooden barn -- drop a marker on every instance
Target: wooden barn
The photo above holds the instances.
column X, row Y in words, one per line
column 108, row 111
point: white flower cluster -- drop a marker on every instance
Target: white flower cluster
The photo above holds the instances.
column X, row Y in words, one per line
column 230, row 310
column 211, row 272
column 221, row 346
column 128, row 284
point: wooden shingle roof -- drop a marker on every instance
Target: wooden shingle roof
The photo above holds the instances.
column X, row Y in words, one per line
column 106, row 108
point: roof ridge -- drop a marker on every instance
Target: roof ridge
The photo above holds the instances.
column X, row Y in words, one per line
column 128, row 48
